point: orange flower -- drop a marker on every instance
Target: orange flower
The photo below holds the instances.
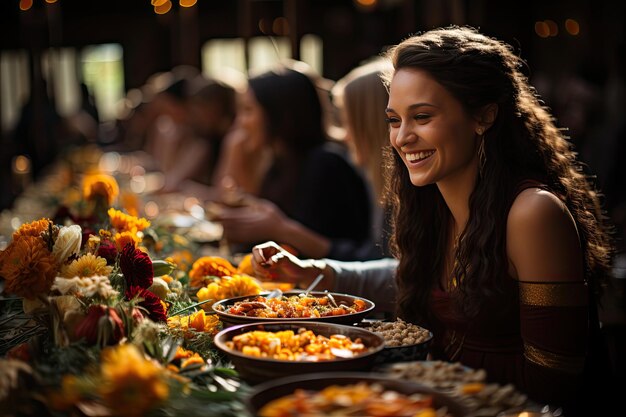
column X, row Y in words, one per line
column 245, row 266
column 198, row 321
column 195, row 359
column 122, row 239
column 210, row 266
column 131, row 384
column 124, row 222
column 32, row 229
column 228, row 287
column 97, row 186
column 28, row 267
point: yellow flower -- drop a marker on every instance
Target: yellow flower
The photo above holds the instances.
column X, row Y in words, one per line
column 245, row 266
column 131, row 384
column 123, row 222
column 87, row 265
column 210, row 266
column 228, row 287
column 130, row 202
column 193, row 360
column 197, row 321
column 238, row 285
column 181, row 258
column 27, row 267
column 121, row 239
column 33, row 228
column 100, row 186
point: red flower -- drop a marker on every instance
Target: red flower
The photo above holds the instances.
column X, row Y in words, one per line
column 108, row 251
column 151, row 303
column 136, row 267
column 109, row 328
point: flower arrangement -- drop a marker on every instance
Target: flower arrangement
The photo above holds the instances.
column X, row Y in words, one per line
column 93, row 323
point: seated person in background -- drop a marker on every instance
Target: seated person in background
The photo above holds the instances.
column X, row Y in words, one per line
column 502, row 246
column 311, row 195
column 360, row 97
column 211, row 110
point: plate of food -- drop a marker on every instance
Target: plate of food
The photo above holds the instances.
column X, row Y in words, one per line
column 469, row 386
column 349, row 394
column 314, row 306
column 404, row 341
column 267, row 350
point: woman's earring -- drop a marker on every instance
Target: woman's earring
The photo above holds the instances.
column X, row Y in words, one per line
column 482, row 158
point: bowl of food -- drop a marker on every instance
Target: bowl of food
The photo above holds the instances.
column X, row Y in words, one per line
column 404, row 341
column 269, row 350
column 316, row 306
column 347, row 394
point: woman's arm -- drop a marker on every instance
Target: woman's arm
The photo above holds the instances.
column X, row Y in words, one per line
column 546, row 258
column 373, row 280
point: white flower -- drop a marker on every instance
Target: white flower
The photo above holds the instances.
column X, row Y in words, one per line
column 67, row 243
column 85, row 287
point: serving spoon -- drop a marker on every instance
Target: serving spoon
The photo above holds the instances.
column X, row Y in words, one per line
column 313, row 285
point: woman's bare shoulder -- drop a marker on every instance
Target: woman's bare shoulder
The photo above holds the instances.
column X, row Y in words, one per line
column 542, row 238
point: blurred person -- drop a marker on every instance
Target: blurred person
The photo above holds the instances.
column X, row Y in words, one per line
column 311, row 197
column 502, row 246
column 211, row 110
column 360, row 97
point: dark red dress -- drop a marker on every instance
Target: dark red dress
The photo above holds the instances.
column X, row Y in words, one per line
column 534, row 335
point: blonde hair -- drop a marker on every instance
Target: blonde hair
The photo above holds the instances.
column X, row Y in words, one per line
column 364, row 98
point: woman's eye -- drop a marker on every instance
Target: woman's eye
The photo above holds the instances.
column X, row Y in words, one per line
column 421, row 116
column 393, row 121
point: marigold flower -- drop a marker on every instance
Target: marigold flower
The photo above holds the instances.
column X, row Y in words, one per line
column 34, row 228
column 181, row 258
column 198, row 321
column 67, row 243
column 136, row 267
column 88, row 265
column 125, row 222
column 100, row 186
column 193, row 360
column 131, row 384
column 210, row 266
column 28, row 267
column 228, row 287
column 245, row 266
column 124, row 238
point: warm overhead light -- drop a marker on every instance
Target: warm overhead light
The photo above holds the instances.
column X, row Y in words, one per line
column 554, row 29
column 280, row 26
column 158, row 3
column 572, row 27
column 187, row 3
column 26, row 4
column 264, row 26
column 542, row 29
column 163, row 8
column 51, row 1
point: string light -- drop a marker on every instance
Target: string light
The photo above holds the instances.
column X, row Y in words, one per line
column 26, row 4
column 572, row 27
column 187, row 3
column 163, row 8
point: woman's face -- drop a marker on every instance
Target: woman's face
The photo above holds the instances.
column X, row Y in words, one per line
column 251, row 118
column 429, row 128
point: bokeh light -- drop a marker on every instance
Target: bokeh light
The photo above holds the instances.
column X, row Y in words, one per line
column 572, row 27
